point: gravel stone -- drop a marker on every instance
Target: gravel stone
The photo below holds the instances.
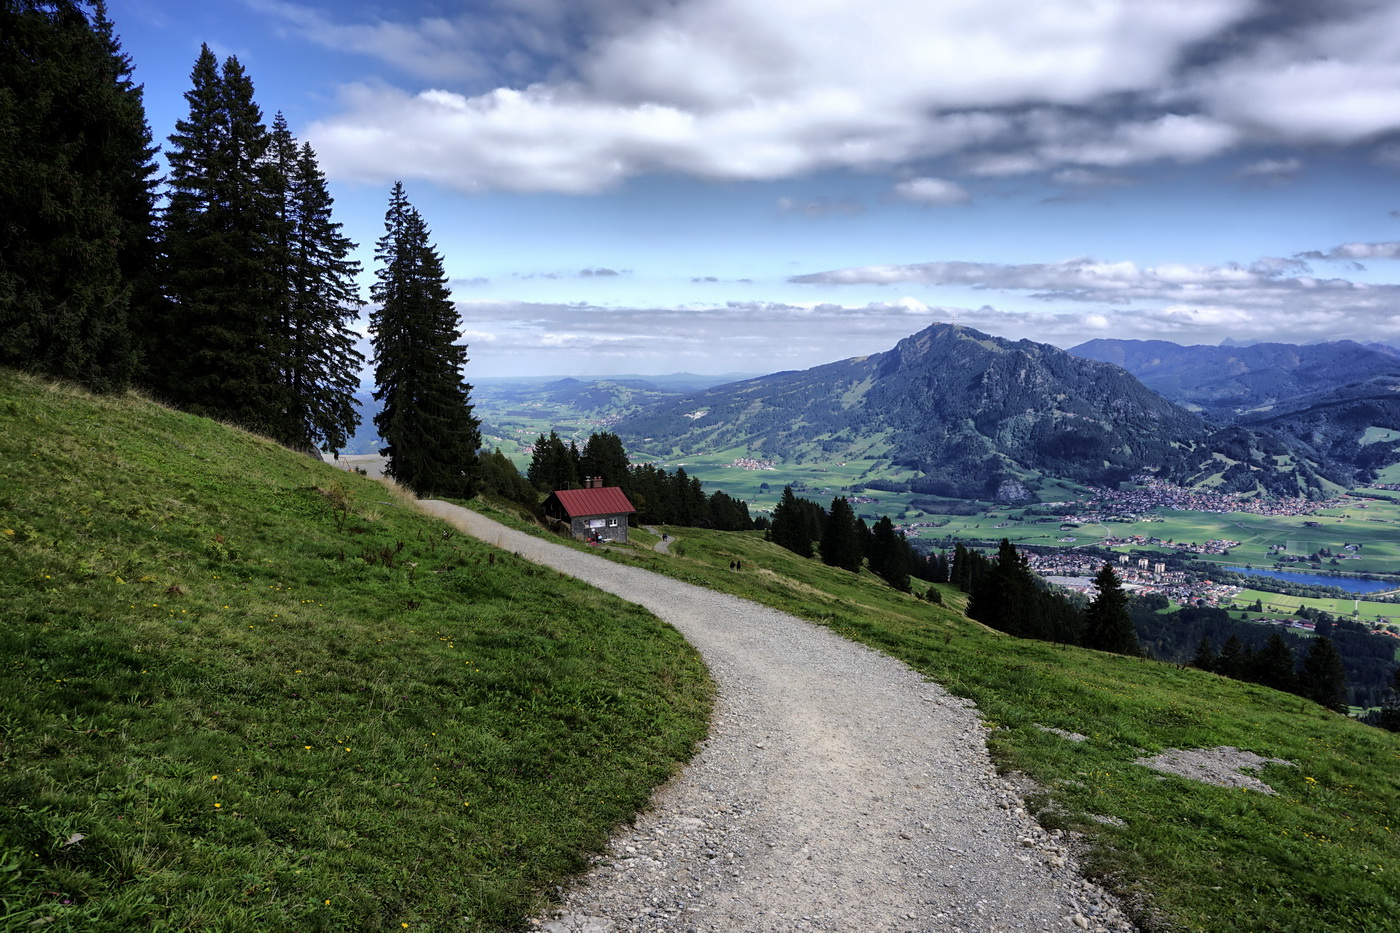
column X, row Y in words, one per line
column 838, row 790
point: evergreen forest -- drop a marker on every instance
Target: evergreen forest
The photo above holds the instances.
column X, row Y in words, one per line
column 226, row 288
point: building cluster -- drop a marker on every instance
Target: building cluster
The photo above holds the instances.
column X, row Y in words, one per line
column 748, row 463
column 1139, row 575
column 1221, row 546
column 1153, row 493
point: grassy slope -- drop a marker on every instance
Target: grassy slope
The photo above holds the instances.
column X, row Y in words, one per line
column 271, row 696
column 1321, row 855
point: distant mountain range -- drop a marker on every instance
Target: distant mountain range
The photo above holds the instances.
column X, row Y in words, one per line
column 1329, row 403
column 500, row 398
column 979, row 416
column 1228, row 382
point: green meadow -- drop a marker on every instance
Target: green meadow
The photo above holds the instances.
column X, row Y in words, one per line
column 243, row 691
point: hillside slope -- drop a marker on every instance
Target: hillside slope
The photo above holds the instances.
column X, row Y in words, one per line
column 1324, row 403
column 243, row 691
column 977, row 416
column 1228, row 379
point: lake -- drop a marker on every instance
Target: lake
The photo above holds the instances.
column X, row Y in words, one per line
column 1350, row 584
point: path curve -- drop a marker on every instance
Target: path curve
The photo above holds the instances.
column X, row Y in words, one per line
column 838, row 790
column 663, row 546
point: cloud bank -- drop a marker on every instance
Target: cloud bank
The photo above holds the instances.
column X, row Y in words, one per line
column 577, row 97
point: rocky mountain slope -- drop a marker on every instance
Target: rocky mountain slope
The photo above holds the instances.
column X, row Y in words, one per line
column 1334, row 404
column 977, row 416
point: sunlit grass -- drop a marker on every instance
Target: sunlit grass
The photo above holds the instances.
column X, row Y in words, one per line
column 242, row 691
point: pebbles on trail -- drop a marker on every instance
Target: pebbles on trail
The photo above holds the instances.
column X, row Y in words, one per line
column 838, row 790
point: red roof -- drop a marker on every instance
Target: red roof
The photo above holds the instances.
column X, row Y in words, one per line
column 581, row 502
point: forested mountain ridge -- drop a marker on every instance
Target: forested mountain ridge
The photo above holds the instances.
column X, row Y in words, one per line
column 1226, row 381
column 1331, row 404
column 977, row 416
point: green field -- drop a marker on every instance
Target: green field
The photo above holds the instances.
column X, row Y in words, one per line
column 1361, row 610
column 243, row 691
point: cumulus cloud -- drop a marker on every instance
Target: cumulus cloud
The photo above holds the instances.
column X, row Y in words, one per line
column 1333, row 79
column 932, row 191
column 820, row 207
column 737, row 90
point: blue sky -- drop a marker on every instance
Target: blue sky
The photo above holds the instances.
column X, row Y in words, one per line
column 719, row 186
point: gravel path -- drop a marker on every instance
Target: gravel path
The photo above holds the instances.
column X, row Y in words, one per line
column 838, row 790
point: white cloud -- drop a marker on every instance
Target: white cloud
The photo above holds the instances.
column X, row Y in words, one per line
column 1272, row 170
column 1357, row 251
column 932, row 191
column 764, row 337
column 739, row 90
column 1334, row 81
column 1269, row 296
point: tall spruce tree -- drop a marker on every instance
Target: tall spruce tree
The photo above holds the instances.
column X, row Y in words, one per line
column 604, row 457
column 1107, row 625
column 794, row 526
column 427, row 424
column 840, row 543
column 218, row 352
column 552, row 464
column 889, row 554
column 1322, row 678
column 76, row 193
column 320, row 300
column 1005, row 596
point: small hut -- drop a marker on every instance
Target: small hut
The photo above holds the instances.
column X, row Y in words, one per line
column 596, row 513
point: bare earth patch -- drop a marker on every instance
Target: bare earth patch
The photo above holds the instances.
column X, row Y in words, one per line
column 1224, row 766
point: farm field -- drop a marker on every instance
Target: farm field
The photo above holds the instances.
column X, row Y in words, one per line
column 1279, row 604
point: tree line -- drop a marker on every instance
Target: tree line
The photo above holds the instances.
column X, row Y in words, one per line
column 660, row 498
column 225, row 289
column 842, row 539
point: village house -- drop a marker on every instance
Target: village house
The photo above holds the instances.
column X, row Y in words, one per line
column 596, row 513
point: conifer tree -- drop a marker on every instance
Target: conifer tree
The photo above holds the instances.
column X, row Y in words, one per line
column 889, row 554
column 840, row 542
column 605, row 457
column 76, row 199
column 552, row 465
column 427, row 424
column 1205, row 657
column 218, row 349
column 1274, row 666
column 1389, row 718
column 320, row 300
column 1322, row 677
column 792, row 524
column 1232, row 659
column 1005, row 596
column 1107, row 625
